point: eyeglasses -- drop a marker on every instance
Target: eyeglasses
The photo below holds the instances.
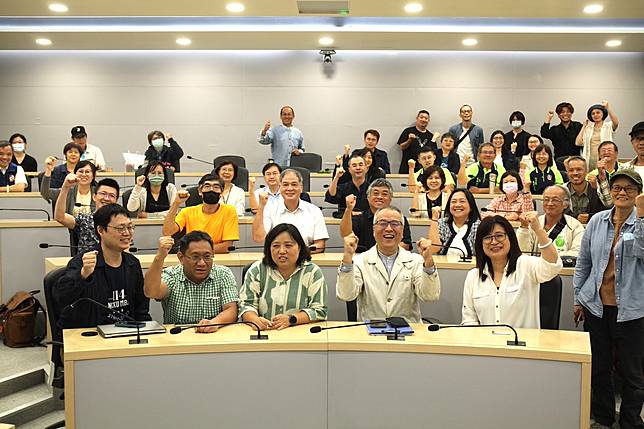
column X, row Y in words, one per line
column 208, row 187
column 487, row 152
column 499, row 237
column 630, row 190
column 553, row 200
column 110, row 195
column 383, row 194
column 394, row 224
column 196, row 258
column 123, row 229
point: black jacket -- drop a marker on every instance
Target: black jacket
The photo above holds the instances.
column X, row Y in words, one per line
column 85, row 314
column 169, row 156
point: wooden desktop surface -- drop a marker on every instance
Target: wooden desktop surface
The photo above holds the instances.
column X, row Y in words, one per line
column 567, row 346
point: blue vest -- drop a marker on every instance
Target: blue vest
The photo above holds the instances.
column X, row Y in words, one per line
column 9, row 178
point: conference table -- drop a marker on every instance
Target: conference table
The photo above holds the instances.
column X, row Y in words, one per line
column 447, row 309
column 339, row 378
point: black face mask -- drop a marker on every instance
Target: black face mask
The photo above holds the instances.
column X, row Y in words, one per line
column 210, row 197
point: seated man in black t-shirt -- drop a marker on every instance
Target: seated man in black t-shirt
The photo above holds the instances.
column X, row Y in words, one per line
column 379, row 195
column 109, row 275
column 337, row 193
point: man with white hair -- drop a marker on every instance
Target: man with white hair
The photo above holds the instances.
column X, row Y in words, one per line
column 565, row 231
column 388, row 280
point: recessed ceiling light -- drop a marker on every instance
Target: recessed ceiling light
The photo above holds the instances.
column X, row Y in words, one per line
column 614, row 43
column 470, row 42
column 43, row 42
column 593, row 8
column 413, row 7
column 235, row 7
column 58, row 7
column 183, row 41
column 326, row 41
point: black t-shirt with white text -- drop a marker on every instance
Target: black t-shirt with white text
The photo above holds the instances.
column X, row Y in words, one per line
column 117, row 299
column 422, row 139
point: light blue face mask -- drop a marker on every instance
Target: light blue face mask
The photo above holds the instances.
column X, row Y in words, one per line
column 157, row 144
column 155, row 180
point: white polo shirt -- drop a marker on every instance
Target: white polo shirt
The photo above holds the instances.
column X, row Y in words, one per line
column 95, row 155
column 307, row 218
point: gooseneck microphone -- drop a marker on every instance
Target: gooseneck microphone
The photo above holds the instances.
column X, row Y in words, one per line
column 516, row 342
column 485, row 209
column 200, row 160
column 123, row 320
column 27, row 210
column 233, row 248
column 464, row 257
column 64, row 246
column 258, row 336
column 316, row 329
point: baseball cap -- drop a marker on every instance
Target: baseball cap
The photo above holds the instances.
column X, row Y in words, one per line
column 631, row 174
column 79, row 131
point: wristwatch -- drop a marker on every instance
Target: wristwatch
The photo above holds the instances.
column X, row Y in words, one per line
column 292, row 320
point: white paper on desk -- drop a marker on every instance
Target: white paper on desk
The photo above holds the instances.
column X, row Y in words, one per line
column 133, row 160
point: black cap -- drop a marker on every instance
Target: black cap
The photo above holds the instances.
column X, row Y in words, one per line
column 637, row 128
column 79, row 131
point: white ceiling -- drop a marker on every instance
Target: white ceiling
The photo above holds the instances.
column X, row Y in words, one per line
column 498, row 25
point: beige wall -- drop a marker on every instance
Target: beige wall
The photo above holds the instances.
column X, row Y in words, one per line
column 215, row 102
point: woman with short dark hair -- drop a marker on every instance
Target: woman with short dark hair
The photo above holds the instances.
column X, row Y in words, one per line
column 153, row 194
column 231, row 194
column 285, row 288
column 56, row 174
column 514, row 201
column 544, row 173
column 504, row 286
column 164, row 149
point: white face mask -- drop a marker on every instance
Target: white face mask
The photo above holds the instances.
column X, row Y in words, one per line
column 18, row 147
column 157, row 144
column 510, row 187
column 516, row 124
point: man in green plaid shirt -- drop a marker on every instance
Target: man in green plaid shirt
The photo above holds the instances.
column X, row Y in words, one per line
column 196, row 291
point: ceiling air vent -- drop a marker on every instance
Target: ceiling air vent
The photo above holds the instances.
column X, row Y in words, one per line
column 319, row 7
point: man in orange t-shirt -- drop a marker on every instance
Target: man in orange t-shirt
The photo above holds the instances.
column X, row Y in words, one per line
column 218, row 220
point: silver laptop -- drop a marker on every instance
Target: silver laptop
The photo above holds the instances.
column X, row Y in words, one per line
column 112, row 331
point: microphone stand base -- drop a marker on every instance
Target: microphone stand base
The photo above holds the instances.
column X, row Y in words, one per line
column 519, row 344
column 395, row 337
column 259, row 337
column 139, row 341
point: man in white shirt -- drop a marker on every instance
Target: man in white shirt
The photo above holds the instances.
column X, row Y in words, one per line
column 271, row 172
column 12, row 176
column 387, row 280
column 291, row 209
column 565, row 231
column 91, row 153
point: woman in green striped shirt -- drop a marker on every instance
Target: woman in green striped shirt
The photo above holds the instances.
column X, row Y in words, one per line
column 285, row 288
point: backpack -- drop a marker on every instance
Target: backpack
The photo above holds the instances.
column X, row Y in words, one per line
column 18, row 320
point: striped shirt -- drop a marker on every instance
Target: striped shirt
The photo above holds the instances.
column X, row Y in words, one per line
column 188, row 302
column 268, row 294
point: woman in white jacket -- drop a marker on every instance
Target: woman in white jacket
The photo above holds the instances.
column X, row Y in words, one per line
column 596, row 130
column 152, row 195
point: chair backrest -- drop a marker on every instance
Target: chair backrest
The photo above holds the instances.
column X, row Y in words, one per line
column 240, row 161
column 550, row 303
column 126, row 197
column 194, row 199
column 141, row 170
column 245, row 270
column 53, row 311
column 306, row 177
column 309, row 160
column 242, row 178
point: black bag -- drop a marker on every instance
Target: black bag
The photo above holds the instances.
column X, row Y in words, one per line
column 18, row 320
